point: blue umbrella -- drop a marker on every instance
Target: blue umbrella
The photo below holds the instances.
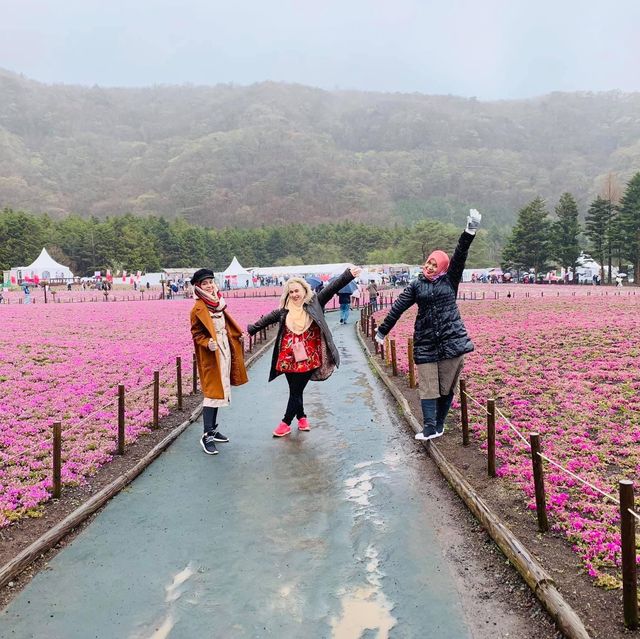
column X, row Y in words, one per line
column 349, row 288
column 313, row 282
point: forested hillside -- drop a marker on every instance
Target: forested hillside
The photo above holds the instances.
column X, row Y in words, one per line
column 272, row 153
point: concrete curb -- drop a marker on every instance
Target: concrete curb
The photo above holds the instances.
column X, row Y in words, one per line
column 44, row 543
column 540, row 582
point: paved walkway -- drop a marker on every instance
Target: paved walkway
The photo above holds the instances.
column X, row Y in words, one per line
column 325, row 534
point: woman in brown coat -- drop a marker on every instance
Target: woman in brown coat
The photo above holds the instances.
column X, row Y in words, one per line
column 219, row 346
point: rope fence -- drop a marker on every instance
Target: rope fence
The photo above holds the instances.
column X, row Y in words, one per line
column 626, row 501
column 175, row 389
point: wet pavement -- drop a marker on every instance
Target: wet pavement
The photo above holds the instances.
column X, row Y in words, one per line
column 325, row 534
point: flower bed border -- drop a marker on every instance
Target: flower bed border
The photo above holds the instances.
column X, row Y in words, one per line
column 535, row 576
column 45, row 542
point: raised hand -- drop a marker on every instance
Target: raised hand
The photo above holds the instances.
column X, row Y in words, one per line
column 473, row 221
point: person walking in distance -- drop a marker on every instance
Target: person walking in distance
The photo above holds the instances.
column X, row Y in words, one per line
column 440, row 339
column 304, row 350
column 219, row 346
column 344, row 299
column 373, row 295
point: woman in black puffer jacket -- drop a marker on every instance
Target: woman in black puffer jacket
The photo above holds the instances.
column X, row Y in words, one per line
column 440, row 339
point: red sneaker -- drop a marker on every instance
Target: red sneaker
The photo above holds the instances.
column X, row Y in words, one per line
column 303, row 424
column 282, row 430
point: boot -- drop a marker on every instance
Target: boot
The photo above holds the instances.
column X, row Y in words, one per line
column 444, row 404
column 429, row 410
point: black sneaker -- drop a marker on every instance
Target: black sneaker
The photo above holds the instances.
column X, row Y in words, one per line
column 219, row 437
column 439, row 429
column 428, row 432
column 208, row 443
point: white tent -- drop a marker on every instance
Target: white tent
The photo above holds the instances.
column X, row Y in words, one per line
column 236, row 276
column 323, row 271
column 587, row 268
column 43, row 268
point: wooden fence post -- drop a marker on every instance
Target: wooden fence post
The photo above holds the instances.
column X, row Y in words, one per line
column 57, row 459
column 491, row 437
column 156, row 398
column 412, row 365
column 120, row 419
column 179, row 381
column 194, row 389
column 628, row 543
column 373, row 335
column 394, row 362
column 538, row 482
column 387, row 350
column 464, row 412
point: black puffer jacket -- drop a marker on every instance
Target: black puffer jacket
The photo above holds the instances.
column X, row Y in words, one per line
column 439, row 332
column 315, row 308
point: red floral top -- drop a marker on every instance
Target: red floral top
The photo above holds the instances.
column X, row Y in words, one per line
column 311, row 338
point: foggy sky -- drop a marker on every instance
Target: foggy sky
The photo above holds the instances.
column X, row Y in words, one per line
column 491, row 49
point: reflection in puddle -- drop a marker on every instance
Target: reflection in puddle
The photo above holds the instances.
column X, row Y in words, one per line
column 173, row 592
column 366, row 607
column 173, row 589
column 163, row 631
column 358, row 488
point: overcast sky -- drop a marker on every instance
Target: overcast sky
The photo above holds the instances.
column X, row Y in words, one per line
column 485, row 48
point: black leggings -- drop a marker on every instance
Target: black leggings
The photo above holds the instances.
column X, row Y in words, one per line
column 209, row 418
column 295, row 407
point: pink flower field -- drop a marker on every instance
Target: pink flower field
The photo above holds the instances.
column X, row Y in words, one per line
column 121, row 293
column 567, row 368
column 63, row 362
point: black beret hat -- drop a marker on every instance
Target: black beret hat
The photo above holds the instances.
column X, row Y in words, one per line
column 201, row 274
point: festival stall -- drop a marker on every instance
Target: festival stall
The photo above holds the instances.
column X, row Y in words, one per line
column 236, row 276
column 44, row 268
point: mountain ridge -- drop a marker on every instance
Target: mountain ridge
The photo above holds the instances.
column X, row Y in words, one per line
column 270, row 152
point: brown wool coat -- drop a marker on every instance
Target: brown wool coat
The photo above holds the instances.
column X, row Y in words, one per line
column 208, row 367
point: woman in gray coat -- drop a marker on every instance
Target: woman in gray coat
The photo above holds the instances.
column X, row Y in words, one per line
column 304, row 348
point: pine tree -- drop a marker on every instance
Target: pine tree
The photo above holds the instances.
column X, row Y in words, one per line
column 597, row 230
column 565, row 231
column 630, row 223
column 529, row 244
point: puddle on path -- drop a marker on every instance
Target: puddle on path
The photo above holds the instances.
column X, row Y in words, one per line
column 366, row 607
column 173, row 591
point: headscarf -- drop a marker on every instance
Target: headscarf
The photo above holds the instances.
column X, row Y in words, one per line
column 442, row 265
column 213, row 305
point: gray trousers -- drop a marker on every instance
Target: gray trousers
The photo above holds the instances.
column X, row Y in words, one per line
column 436, row 379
